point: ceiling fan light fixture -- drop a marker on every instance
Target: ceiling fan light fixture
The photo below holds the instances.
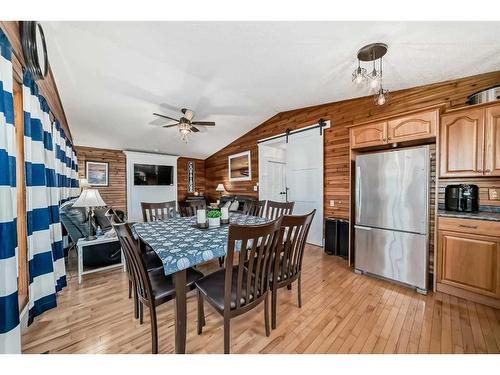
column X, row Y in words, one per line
column 185, row 130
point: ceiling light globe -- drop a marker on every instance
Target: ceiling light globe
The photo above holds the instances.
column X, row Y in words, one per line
column 381, row 99
column 375, row 82
column 359, row 79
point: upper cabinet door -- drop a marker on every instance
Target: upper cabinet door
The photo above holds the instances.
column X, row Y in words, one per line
column 417, row 126
column 492, row 142
column 462, row 144
column 369, row 135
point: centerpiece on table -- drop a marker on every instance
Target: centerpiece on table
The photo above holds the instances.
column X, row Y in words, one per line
column 214, row 218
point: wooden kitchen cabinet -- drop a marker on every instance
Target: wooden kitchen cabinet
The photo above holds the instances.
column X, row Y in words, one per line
column 369, row 135
column 412, row 127
column 470, row 142
column 468, row 259
column 492, row 142
column 408, row 127
column 470, row 262
column 462, row 144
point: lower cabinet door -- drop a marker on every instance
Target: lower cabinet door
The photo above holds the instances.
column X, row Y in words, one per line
column 470, row 262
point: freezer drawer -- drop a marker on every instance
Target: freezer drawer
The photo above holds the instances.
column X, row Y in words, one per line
column 399, row 256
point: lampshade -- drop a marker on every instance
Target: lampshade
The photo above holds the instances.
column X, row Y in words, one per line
column 89, row 198
column 219, row 187
column 84, row 183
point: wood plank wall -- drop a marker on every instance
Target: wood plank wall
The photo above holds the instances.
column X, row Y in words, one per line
column 199, row 170
column 115, row 195
column 47, row 87
column 450, row 94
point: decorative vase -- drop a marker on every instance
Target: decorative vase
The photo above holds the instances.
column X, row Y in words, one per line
column 214, row 222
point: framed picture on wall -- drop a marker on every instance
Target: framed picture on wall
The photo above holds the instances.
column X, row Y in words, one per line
column 240, row 167
column 97, row 173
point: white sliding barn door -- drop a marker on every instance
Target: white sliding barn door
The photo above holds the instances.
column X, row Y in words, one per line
column 304, row 178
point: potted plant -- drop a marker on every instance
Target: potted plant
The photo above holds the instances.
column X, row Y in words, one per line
column 214, row 218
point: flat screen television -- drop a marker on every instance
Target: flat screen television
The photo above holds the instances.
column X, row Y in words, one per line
column 146, row 174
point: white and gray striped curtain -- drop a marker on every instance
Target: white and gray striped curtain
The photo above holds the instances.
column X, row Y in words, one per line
column 10, row 336
column 50, row 179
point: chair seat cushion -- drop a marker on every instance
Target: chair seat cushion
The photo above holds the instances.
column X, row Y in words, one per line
column 163, row 286
column 212, row 286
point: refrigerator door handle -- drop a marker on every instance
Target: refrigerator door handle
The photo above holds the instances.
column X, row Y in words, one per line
column 358, row 194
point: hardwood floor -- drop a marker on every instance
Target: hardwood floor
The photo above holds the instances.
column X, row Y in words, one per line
column 341, row 313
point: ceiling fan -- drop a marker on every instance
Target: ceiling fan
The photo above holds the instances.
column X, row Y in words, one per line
column 185, row 123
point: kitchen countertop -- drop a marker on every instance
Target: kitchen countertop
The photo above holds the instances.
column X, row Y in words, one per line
column 481, row 215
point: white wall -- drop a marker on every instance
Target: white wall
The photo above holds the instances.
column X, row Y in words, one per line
column 138, row 194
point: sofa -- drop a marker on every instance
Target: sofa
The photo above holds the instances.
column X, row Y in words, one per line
column 75, row 222
column 241, row 199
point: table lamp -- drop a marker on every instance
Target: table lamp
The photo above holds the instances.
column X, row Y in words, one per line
column 220, row 189
column 83, row 183
column 89, row 198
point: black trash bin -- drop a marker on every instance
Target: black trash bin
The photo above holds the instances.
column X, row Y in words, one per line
column 337, row 237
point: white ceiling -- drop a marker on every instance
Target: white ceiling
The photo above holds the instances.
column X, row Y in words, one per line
column 112, row 75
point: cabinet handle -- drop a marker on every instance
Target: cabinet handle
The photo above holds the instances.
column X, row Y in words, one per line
column 468, row 226
column 488, row 170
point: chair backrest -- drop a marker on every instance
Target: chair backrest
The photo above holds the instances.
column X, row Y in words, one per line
column 113, row 217
column 256, row 244
column 254, row 208
column 185, row 209
column 158, row 211
column 198, row 205
column 291, row 244
column 134, row 260
column 277, row 209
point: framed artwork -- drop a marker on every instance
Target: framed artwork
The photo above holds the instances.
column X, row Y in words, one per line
column 97, row 173
column 240, row 167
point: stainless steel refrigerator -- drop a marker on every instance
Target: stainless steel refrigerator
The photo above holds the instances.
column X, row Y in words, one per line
column 392, row 215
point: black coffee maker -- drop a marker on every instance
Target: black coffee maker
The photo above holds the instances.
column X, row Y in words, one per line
column 462, row 198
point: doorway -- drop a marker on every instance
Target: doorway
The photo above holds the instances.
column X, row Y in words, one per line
column 291, row 170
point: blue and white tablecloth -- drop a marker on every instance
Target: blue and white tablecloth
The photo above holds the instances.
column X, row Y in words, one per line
column 180, row 245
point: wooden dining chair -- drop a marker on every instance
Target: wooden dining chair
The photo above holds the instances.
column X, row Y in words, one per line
column 158, row 211
column 277, row 209
column 289, row 254
column 198, row 205
column 152, row 286
column 238, row 288
column 185, row 209
column 254, row 208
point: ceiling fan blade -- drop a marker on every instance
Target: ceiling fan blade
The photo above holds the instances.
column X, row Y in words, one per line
column 203, row 123
column 195, row 130
column 171, row 125
column 170, row 118
column 160, row 121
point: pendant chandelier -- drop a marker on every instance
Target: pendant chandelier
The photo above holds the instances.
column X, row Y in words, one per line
column 372, row 53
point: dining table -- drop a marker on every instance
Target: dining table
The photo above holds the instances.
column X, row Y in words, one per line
column 181, row 244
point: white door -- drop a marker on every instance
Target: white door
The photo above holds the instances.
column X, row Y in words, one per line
column 275, row 182
column 304, row 178
column 272, row 171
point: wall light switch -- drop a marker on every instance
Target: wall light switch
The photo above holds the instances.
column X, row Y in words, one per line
column 255, row 188
column 493, row 194
column 332, row 203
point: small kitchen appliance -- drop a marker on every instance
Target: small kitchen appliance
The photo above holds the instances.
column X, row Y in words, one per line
column 463, row 197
